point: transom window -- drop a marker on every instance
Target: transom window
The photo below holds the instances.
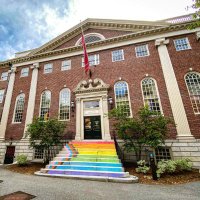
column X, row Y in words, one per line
column 45, row 105
column 122, row 97
column 193, row 84
column 4, row 76
column 117, row 55
column 66, row 65
column 24, row 72
column 142, row 50
column 93, row 60
column 182, row 44
column 1, row 95
column 64, row 104
column 48, row 68
column 150, row 94
column 91, row 104
column 19, row 108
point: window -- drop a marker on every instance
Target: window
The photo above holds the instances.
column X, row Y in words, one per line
column 64, row 104
column 19, row 108
column 163, row 153
column 1, row 95
column 91, row 104
column 4, row 76
column 45, row 105
column 48, row 68
column 118, row 55
column 122, row 97
column 24, row 72
column 93, row 60
column 182, row 44
column 142, row 51
column 150, row 94
column 66, row 65
column 193, row 84
column 39, row 153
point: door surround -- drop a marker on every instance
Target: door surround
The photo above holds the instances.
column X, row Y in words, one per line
column 87, row 91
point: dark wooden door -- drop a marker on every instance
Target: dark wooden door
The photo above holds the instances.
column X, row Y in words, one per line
column 92, row 127
column 9, row 156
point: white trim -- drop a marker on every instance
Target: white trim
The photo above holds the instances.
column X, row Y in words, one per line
column 3, row 91
column 122, row 50
column 188, row 44
column 48, row 68
column 96, row 60
column 25, row 68
column 69, row 65
column 147, row 49
column 90, row 34
column 109, row 46
column 41, row 101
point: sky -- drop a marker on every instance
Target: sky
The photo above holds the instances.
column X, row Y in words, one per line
column 28, row 24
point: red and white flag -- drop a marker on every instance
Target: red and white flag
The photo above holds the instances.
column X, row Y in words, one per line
column 86, row 60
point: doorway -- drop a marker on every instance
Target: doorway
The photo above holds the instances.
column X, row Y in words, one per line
column 92, row 127
column 9, row 156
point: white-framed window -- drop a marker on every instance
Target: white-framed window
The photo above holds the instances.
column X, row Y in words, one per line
column 122, row 99
column 48, row 68
column 66, row 65
column 151, row 95
column 182, row 44
column 192, row 80
column 1, row 95
column 19, row 108
column 4, row 76
column 64, row 104
column 117, row 55
column 24, row 72
column 142, row 50
column 45, row 105
column 93, row 60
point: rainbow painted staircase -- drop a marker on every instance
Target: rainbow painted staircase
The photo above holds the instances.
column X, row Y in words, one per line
column 94, row 160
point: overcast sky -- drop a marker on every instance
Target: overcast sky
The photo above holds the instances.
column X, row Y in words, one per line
column 27, row 24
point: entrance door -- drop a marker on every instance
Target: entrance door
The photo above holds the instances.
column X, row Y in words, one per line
column 92, row 127
column 9, row 157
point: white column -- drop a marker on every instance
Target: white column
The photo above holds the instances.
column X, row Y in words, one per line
column 7, row 103
column 78, row 119
column 105, row 118
column 178, row 110
column 32, row 94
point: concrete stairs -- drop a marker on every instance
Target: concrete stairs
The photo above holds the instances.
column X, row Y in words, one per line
column 93, row 160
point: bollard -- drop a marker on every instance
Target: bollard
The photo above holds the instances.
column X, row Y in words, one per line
column 153, row 165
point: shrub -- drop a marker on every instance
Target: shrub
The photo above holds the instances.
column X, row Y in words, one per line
column 22, row 160
column 173, row 166
column 142, row 168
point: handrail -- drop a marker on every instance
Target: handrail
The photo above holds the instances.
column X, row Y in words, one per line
column 118, row 149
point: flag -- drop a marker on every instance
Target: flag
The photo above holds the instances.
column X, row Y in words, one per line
column 86, row 60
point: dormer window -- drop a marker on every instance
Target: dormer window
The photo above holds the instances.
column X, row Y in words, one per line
column 90, row 38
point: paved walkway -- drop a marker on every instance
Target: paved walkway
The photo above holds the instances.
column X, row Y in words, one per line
column 58, row 189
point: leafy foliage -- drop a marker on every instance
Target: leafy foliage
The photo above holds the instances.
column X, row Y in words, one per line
column 22, row 160
column 147, row 128
column 142, row 168
column 173, row 166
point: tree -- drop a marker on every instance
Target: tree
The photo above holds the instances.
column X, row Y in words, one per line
column 45, row 134
column 148, row 128
column 196, row 15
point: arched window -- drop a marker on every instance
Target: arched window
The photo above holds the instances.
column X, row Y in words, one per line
column 19, row 108
column 150, row 94
column 122, row 97
column 89, row 38
column 192, row 80
column 45, row 105
column 64, row 104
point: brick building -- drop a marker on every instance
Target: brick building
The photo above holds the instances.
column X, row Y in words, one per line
column 132, row 62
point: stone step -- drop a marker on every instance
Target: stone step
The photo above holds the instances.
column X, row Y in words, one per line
column 90, row 151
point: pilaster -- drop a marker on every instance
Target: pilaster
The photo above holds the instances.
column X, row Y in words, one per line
column 178, row 110
column 78, row 119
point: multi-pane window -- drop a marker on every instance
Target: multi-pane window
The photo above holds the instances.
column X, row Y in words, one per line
column 4, row 76
column 93, row 60
column 48, row 68
column 150, row 94
column 66, row 65
column 1, row 95
column 19, row 108
column 142, row 50
column 122, row 97
column 193, row 84
column 182, row 44
column 64, row 104
column 45, row 105
column 93, row 37
column 24, row 72
column 117, row 55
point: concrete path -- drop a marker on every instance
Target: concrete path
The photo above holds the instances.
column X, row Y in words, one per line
column 57, row 189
